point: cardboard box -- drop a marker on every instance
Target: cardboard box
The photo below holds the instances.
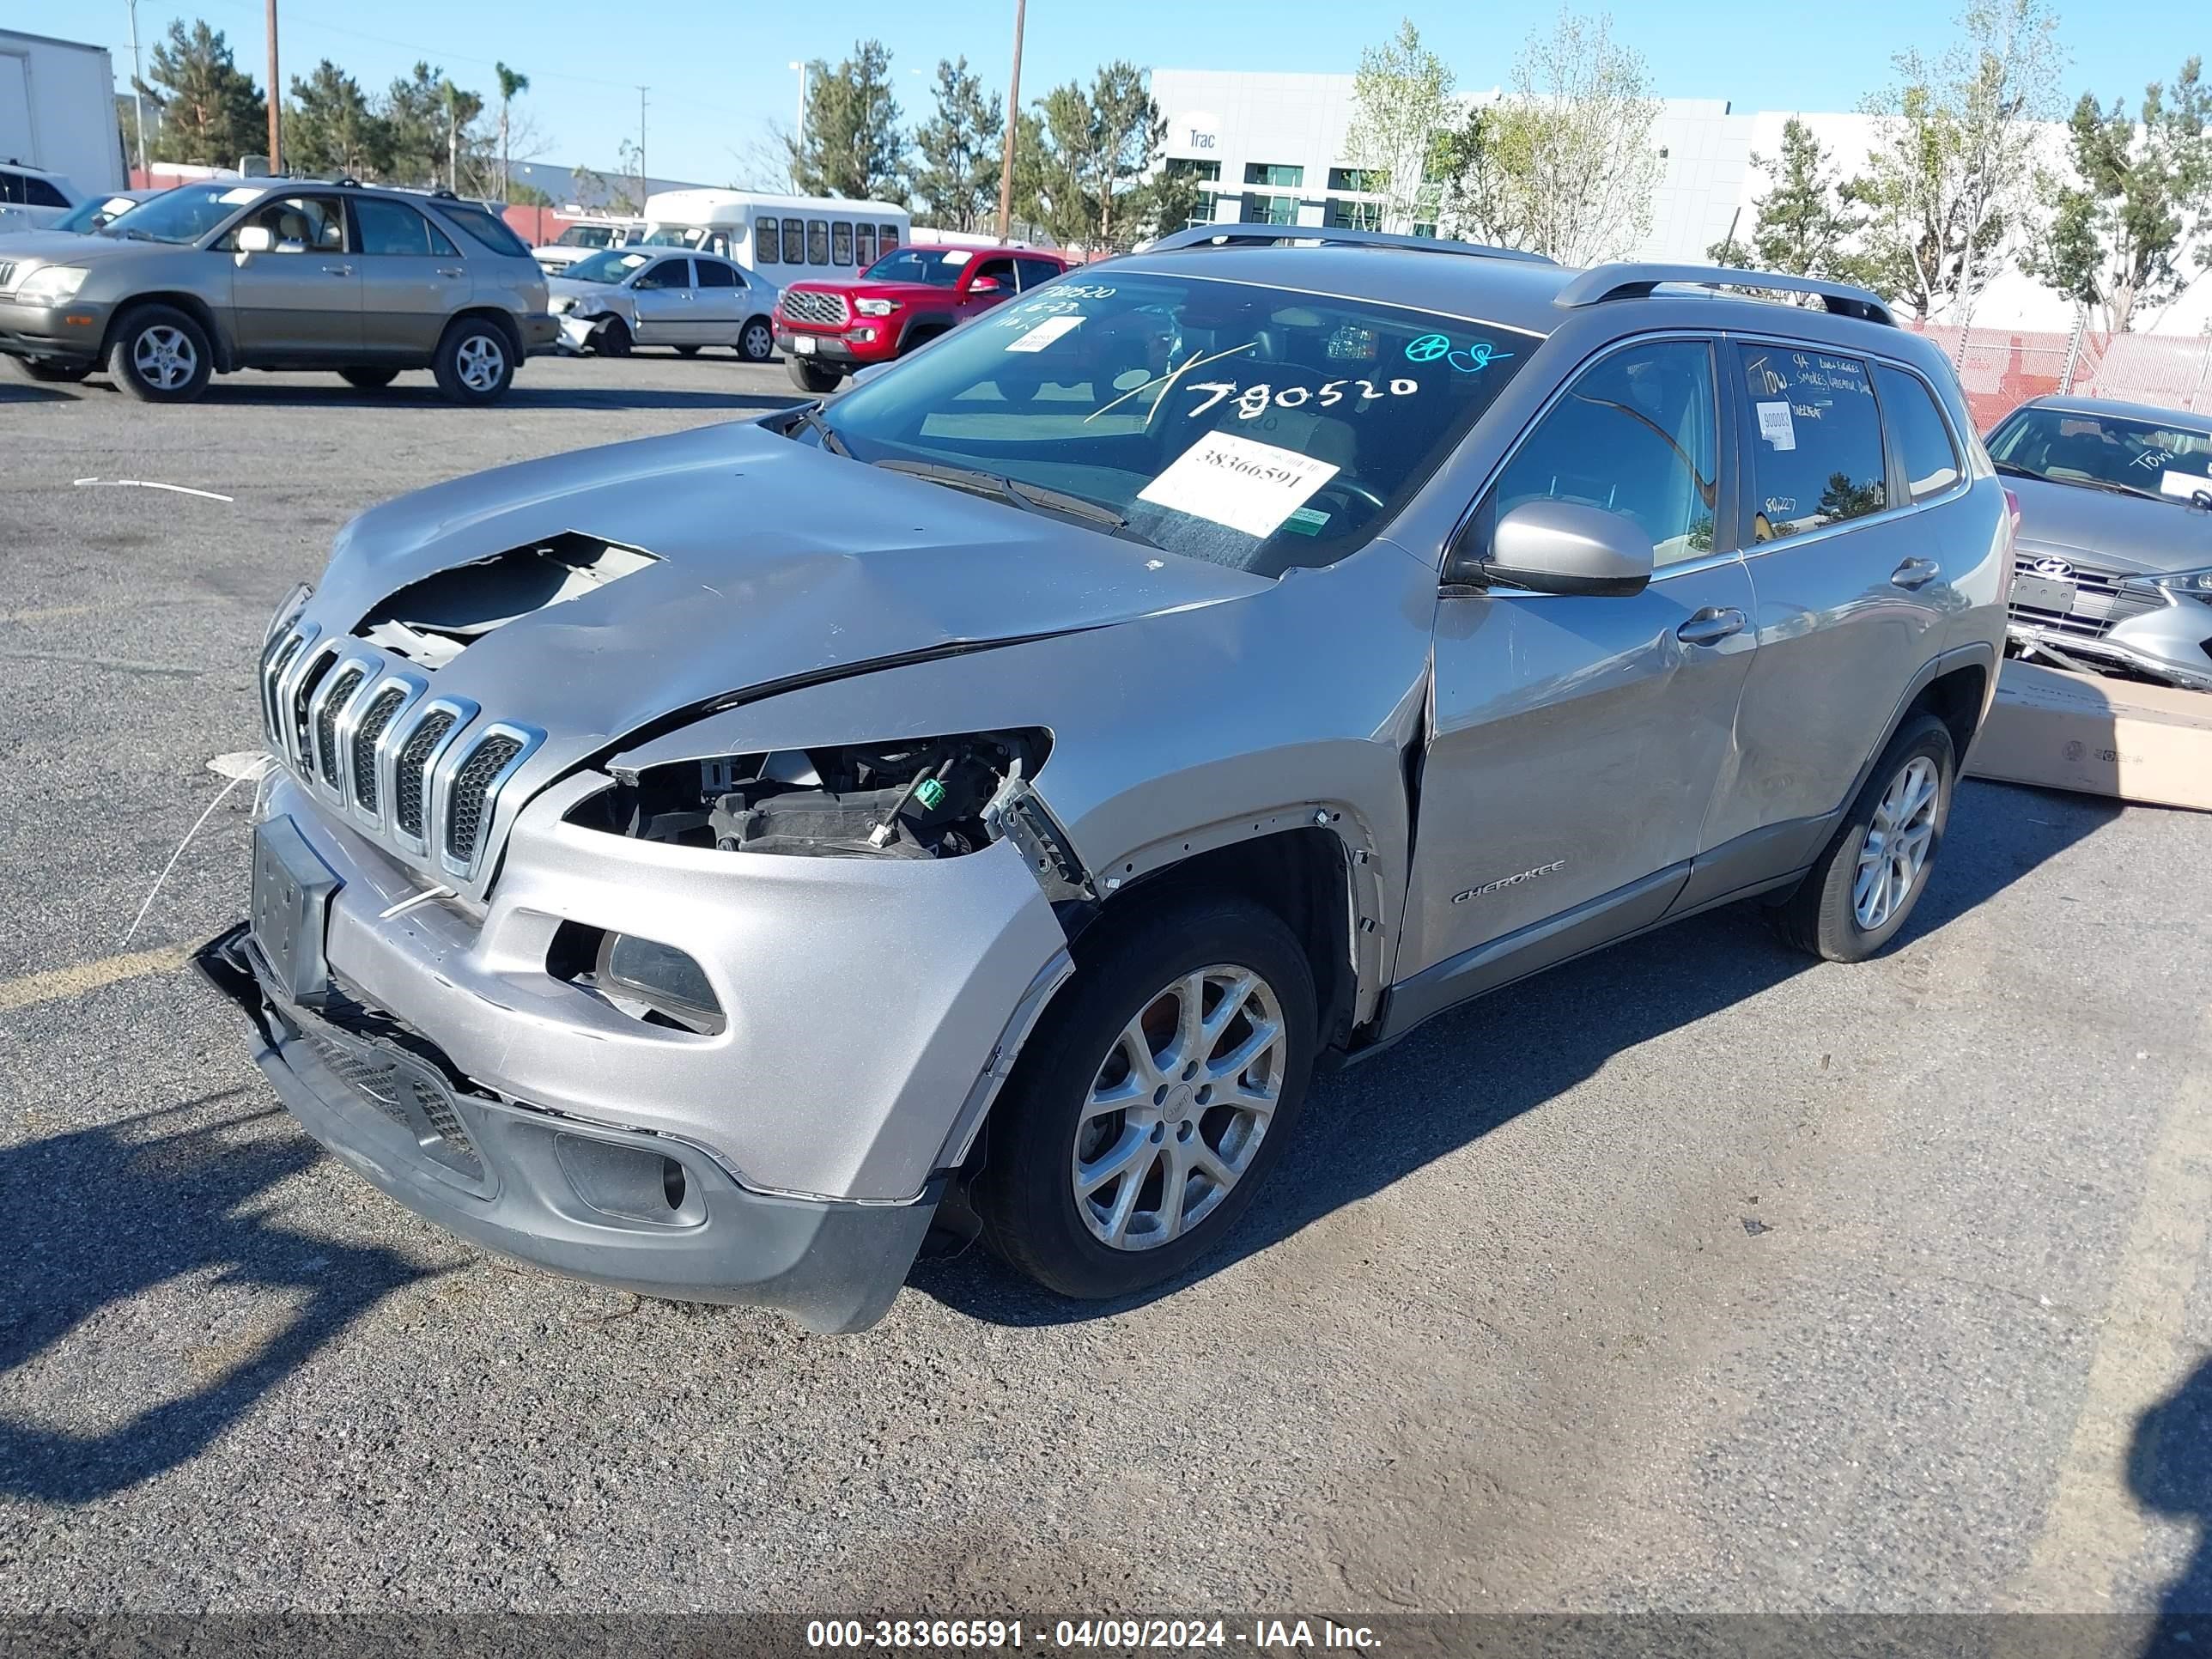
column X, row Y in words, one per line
column 2103, row 737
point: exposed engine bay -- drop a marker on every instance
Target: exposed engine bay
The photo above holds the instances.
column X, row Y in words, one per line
column 431, row 622
column 932, row 798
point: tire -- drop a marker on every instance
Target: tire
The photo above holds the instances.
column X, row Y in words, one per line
column 32, row 368
column 474, row 361
column 757, row 340
column 687, row 351
column 369, row 380
column 1828, row 915
column 812, row 377
column 159, row 355
column 1042, row 1137
column 611, row 338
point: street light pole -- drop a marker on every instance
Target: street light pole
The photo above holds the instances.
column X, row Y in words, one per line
column 798, row 130
column 641, row 148
column 138, row 98
column 1013, row 126
column 276, row 97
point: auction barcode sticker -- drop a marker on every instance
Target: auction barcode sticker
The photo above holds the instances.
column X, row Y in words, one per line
column 1247, row 486
column 1776, row 426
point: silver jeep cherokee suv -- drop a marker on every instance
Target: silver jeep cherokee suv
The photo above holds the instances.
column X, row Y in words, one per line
column 698, row 865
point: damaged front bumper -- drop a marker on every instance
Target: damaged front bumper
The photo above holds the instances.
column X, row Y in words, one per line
column 793, row 1159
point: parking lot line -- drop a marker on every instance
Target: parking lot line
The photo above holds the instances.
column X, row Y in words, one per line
column 76, row 980
column 2094, row 1526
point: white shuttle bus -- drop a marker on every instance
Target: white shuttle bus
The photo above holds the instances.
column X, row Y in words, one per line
column 782, row 238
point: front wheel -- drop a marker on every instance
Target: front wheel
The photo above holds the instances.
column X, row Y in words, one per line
column 159, row 355
column 611, row 338
column 812, row 377
column 757, row 341
column 1855, row 900
column 475, row 363
column 1151, row 1100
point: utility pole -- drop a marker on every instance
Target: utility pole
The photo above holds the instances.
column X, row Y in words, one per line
column 1013, row 126
column 641, row 150
column 138, row 98
column 275, row 97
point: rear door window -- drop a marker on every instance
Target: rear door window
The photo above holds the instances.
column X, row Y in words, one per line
column 11, row 188
column 395, row 228
column 1814, row 436
column 37, row 192
column 1923, row 436
column 713, row 273
column 1036, row 272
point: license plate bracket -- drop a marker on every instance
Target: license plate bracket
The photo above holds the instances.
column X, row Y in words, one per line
column 292, row 888
column 2052, row 593
column 803, row 345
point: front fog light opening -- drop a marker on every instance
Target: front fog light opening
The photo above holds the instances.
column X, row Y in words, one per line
column 631, row 1183
column 655, row 983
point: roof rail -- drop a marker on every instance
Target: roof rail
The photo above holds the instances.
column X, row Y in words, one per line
column 1250, row 235
column 1634, row 280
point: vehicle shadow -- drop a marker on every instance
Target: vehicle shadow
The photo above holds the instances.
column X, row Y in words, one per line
column 406, row 395
column 1375, row 1122
column 2170, row 1474
column 90, row 1218
column 18, row 392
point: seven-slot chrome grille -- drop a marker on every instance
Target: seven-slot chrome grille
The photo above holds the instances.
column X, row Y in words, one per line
column 369, row 735
column 811, row 305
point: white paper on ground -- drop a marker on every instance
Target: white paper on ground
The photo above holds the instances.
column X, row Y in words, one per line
column 1776, row 426
column 1044, row 334
column 1247, row 486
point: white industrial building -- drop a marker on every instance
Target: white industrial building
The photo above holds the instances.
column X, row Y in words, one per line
column 1270, row 147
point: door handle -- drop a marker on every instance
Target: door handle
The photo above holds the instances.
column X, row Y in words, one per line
column 1915, row 572
column 450, row 270
column 1710, row 626
column 338, row 270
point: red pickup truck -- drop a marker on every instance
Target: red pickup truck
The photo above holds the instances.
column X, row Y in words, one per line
column 827, row 330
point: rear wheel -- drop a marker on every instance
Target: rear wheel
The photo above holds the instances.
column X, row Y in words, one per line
column 475, row 361
column 757, row 341
column 159, row 355
column 1151, row 1100
column 611, row 338
column 369, row 380
column 1859, row 896
column 812, row 377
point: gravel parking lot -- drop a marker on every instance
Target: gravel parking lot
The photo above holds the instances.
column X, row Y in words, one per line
column 1687, row 1276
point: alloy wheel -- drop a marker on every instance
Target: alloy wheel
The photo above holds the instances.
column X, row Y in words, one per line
column 1897, row 843
column 164, row 357
column 480, row 362
column 1178, row 1108
column 759, row 343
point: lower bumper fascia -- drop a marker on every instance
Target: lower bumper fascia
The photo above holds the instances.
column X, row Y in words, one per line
column 834, row 1266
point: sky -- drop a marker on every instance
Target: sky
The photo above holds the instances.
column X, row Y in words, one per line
column 718, row 74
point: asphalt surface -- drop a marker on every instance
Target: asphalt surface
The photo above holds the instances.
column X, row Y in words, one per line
column 1692, row 1275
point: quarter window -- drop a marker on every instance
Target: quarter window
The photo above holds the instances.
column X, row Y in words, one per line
column 817, row 242
column 1931, row 461
column 794, row 242
column 1635, row 434
column 841, row 243
column 766, row 238
column 1815, row 438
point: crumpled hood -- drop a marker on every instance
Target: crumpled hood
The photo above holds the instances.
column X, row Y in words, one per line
column 2115, row 532
column 776, row 561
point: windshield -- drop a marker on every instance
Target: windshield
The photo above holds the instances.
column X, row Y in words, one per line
column 88, row 216
column 675, row 236
column 609, row 266
column 1246, row 425
column 2166, row 458
column 185, row 213
column 586, row 236
column 935, row 267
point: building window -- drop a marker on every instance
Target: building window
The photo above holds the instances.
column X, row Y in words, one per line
column 1206, row 173
column 1429, row 229
column 1271, row 210
column 1354, row 215
column 1271, row 172
column 1367, row 179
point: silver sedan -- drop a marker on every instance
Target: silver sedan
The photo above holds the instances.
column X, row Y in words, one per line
column 638, row 296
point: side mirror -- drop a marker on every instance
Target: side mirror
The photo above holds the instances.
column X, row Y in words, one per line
column 1565, row 547
column 255, row 239
column 987, row 285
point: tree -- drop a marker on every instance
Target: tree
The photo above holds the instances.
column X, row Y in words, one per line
column 851, row 143
column 1130, row 131
column 1401, row 101
column 415, row 122
column 330, row 128
column 1563, row 165
column 1804, row 224
column 212, row 113
column 2140, row 194
column 512, row 85
column 1094, row 149
column 458, row 109
column 1954, row 160
column 957, row 151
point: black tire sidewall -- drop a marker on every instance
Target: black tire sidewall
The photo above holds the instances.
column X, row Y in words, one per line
column 611, row 338
column 447, row 362
column 808, row 378
column 1836, row 933
column 124, row 372
column 1023, row 1193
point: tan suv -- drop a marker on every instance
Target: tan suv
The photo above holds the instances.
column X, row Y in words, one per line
column 278, row 274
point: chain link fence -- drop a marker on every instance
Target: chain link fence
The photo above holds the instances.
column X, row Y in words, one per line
column 2002, row 369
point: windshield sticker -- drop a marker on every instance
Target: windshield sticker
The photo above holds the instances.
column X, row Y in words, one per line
column 1235, row 481
column 1775, row 425
column 1306, row 521
column 243, row 193
column 1254, row 401
column 1470, row 359
column 1045, row 333
column 2184, row 484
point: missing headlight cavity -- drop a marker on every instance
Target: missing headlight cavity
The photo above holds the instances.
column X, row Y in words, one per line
column 922, row 798
column 430, row 622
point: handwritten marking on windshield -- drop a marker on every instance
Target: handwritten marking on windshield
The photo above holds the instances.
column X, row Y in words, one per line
column 1165, row 383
